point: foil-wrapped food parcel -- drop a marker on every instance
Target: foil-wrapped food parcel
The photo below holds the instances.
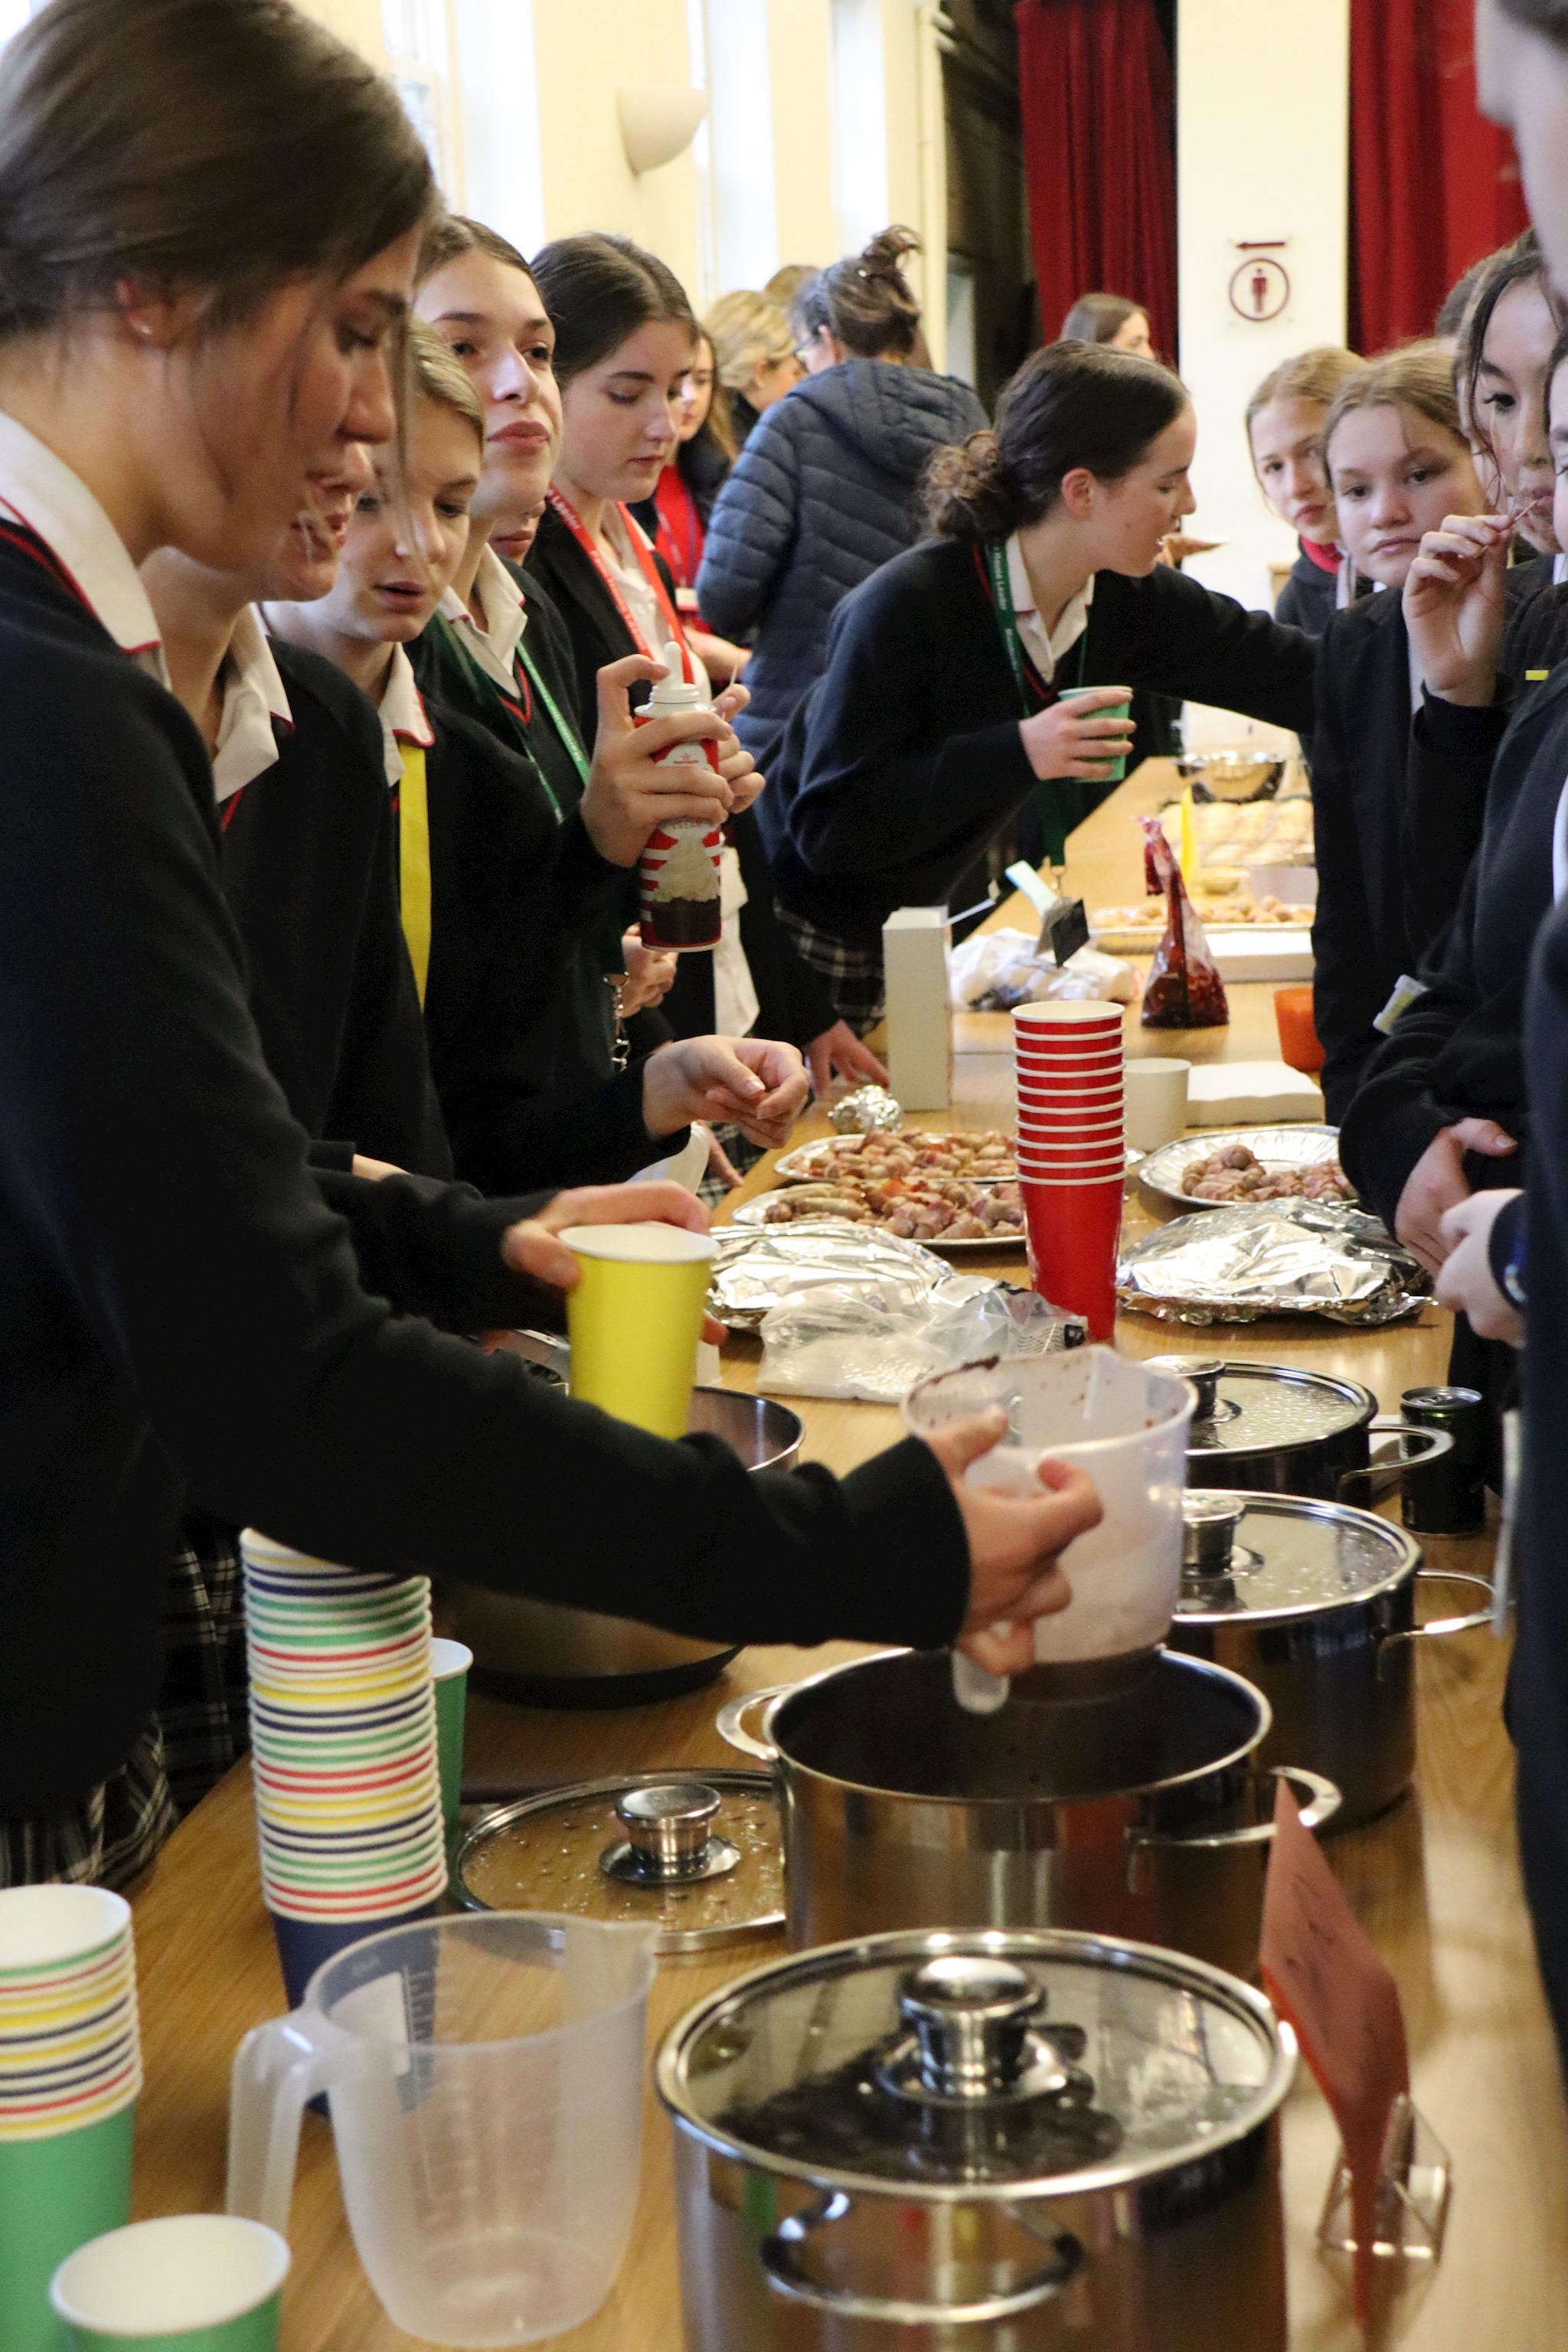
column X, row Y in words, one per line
column 1274, row 1257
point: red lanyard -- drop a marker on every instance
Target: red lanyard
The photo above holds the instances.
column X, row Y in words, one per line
column 643, row 553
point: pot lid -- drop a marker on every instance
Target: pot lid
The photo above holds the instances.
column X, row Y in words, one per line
column 946, row 2063
column 1278, row 1556
column 1247, row 1408
column 698, row 1852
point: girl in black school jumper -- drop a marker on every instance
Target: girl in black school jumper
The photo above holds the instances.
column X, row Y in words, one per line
column 484, row 891
column 504, row 657
column 624, row 338
column 937, row 715
column 184, row 353
column 1285, row 420
column 1390, row 867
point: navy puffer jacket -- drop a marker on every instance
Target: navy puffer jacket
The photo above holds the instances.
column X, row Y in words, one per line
column 824, row 492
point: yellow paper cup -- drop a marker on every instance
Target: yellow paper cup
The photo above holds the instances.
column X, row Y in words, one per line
column 635, row 1321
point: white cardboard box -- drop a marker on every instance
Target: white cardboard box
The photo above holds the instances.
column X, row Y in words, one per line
column 917, row 942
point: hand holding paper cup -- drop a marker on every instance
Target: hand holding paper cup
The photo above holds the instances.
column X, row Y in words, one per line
column 1110, row 702
column 634, row 1319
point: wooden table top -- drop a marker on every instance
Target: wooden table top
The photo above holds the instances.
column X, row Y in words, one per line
column 1437, row 1882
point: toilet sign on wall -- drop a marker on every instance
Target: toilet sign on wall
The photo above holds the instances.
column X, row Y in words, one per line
column 1260, row 285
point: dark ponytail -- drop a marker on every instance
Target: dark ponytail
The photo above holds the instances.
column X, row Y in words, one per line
column 221, row 146
column 864, row 302
column 600, row 289
column 1069, row 405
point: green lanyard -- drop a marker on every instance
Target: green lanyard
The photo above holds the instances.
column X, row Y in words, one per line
column 484, row 685
column 557, row 716
column 1052, row 795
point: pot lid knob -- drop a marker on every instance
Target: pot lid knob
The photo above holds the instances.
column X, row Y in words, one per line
column 971, row 2017
column 668, row 1826
column 1209, row 1522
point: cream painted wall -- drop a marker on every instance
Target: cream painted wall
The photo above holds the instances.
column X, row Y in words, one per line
column 358, row 22
column 800, row 68
column 1260, row 113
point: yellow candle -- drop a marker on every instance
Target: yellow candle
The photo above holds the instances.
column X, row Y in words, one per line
column 1189, row 846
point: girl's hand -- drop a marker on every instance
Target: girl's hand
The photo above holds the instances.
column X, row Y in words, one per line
column 838, row 1053
column 739, row 772
column 1437, row 1184
column 1076, row 738
column 722, row 661
column 1013, row 1545
column 626, row 795
column 1466, row 1282
column 756, row 1083
column 531, row 1247
column 650, row 974
column 1455, row 606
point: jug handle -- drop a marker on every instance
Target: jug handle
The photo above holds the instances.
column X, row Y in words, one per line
column 276, row 2069
column 1385, row 1472
column 1324, row 1802
column 779, row 2254
column 732, row 1722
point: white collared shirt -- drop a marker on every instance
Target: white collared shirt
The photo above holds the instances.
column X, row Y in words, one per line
column 402, row 716
column 253, row 696
column 1045, row 651
column 494, row 642
column 41, row 490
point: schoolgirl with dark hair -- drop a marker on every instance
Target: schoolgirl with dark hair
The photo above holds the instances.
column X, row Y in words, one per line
column 827, row 486
column 938, row 713
column 210, row 210
column 621, row 385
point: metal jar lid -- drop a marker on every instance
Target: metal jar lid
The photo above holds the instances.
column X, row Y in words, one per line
column 1246, row 1407
column 1270, row 1557
column 959, row 2064
column 700, row 1853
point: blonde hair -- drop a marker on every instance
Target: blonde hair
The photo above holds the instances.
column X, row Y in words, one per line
column 436, row 375
column 745, row 329
column 1316, row 375
column 1417, row 376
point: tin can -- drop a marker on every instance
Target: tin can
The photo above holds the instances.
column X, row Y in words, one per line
column 1447, row 1497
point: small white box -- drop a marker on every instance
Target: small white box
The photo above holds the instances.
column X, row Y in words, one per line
column 917, row 944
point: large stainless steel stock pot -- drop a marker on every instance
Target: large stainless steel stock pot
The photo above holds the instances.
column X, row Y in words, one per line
column 1315, row 1605
column 990, row 2142
column 1274, row 1429
column 1141, row 1813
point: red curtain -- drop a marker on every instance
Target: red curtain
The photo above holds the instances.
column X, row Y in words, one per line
column 1433, row 186
column 1100, row 157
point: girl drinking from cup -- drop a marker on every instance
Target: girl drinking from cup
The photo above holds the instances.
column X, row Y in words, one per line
column 1390, row 865
column 943, row 703
column 186, row 354
column 1285, row 420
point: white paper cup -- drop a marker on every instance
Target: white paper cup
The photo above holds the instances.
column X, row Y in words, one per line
column 1156, row 1095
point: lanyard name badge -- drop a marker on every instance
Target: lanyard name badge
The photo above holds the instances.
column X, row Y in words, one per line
column 1048, row 798
column 650, row 572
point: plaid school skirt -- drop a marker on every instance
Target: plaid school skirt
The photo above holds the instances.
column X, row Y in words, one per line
column 108, row 1834
column 853, row 970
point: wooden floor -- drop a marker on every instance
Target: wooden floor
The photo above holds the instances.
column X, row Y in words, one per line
column 1437, row 1882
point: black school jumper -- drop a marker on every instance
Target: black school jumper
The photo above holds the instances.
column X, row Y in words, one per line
column 793, row 1002
column 905, row 762
column 573, row 1042
column 177, row 1304
column 1309, row 595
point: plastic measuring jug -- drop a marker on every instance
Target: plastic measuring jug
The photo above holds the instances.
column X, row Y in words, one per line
column 1127, row 1427
column 484, row 2077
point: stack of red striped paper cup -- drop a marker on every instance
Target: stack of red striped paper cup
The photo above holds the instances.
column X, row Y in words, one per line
column 1071, row 1152
column 343, row 1755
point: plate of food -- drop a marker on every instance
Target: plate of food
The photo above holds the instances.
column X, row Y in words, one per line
column 950, row 1212
column 1222, row 1167
column 983, row 1157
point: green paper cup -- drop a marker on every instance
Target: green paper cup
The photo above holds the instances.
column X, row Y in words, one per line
column 449, row 1664
column 1114, row 770
column 193, row 2283
column 56, row 2193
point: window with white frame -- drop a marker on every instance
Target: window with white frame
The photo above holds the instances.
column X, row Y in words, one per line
column 418, row 37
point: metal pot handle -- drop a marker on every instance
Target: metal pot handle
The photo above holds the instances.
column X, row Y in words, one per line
column 1441, row 1625
column 1385, row 1472
column 731, row 1722
column 546, row 1349
column 780, row 2255
column 1324, row 1802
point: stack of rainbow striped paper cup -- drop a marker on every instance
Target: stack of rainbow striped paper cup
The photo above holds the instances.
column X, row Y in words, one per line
column 1069, row 1063
column 71, row 2070
column 343, row 1728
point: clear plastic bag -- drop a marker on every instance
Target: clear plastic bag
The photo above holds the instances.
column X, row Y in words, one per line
column 993, row 970
column 1184, row 989
column 844, row 1343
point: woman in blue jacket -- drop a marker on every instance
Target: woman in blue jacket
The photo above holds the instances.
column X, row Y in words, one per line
column 828, row 487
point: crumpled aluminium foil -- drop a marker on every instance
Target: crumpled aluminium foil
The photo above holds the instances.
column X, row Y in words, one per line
column 1275, row 1257
column 756, row 1267
column 866, row 1110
